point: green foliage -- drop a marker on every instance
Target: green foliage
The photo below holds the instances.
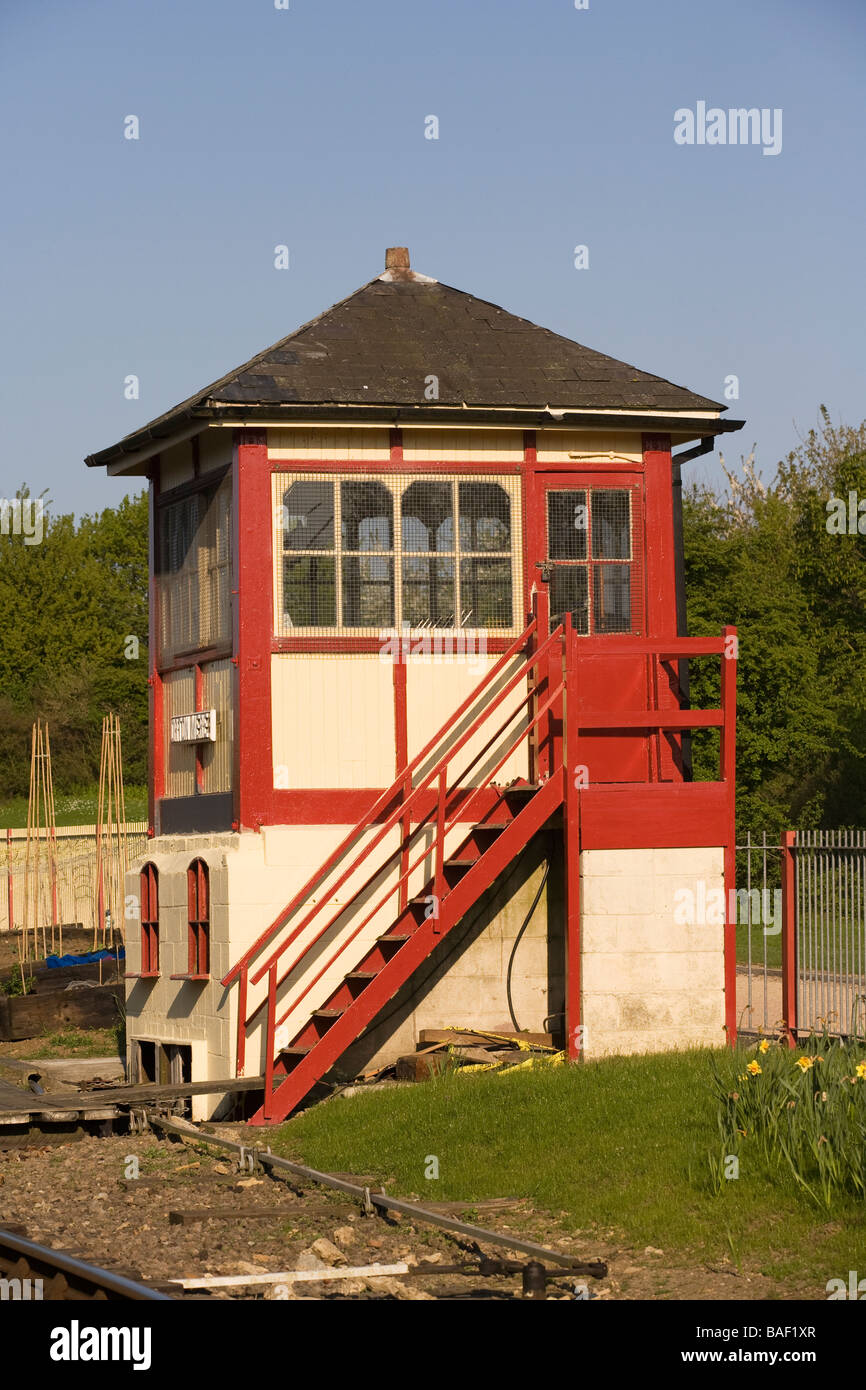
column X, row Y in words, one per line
column 15, row 983
column 764, row 560
column 69, row 605
column 800, row 1115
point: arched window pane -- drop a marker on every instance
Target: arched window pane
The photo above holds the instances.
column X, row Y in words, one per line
column 428, row 518
column 367, row 516
column 485, row 517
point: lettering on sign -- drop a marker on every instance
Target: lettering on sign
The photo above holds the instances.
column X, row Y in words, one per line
column 194, row 728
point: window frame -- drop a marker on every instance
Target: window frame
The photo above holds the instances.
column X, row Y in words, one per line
column 397, row 482
column 149, row 917
column 592, row 565
column 198, row 922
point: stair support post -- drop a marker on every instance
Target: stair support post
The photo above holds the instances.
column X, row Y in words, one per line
column 270, row 1042
column 439, row 870
column 571, row 841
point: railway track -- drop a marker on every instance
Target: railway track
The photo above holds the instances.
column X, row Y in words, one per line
column 33, row 1272
column 238, row 1215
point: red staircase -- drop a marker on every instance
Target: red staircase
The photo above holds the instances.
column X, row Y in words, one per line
column 499, row 822
column 487, row 825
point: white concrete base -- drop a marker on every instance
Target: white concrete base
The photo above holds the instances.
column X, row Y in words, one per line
column 651, row 979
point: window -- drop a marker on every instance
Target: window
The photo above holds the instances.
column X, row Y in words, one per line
column 194, row 571
column 198, row 894
column 368, row 554
column 590, row 556
column 149, row 894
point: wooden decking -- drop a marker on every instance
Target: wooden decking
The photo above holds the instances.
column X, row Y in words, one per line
column 18, row 1106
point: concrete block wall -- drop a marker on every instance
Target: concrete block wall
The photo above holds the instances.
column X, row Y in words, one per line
column 252, row 877
column 650, row 981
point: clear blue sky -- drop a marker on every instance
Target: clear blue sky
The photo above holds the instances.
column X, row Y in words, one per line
column 305, row 126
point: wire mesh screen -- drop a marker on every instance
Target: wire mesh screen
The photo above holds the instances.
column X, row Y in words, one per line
column 179, row 694
column 592, row 559
column 194, row 571
column 362, row 555
column 216, row 758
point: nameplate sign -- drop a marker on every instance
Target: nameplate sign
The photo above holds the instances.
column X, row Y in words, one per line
column 194, row 728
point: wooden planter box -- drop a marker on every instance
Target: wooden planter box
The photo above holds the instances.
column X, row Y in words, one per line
column 31, row 1015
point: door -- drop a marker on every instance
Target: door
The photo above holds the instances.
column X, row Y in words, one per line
column 585, row 540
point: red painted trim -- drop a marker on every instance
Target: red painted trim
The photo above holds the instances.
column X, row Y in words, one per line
column 401, row 716
column 253, row 630
column 789, row 938
column 728, row 772
column 530, row 450
column 199, row 749
column 653, row 815
column 660, row 583
column 156, row 699
column 571, row 846
column 395, row 441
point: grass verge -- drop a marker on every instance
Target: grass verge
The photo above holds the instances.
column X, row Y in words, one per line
column 618, row 1145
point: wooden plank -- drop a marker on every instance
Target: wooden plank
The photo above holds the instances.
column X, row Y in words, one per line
column 136, row 1095
column 235, row 1213
column 30, row 1015
column 470, row 1039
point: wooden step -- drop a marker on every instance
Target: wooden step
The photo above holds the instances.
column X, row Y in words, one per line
column 362, row 975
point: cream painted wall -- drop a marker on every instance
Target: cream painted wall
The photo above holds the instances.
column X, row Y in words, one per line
column 452, row 446
column 649, row 981
column 354, row 445
column 435, row 689
column 333, row 720
column 556, row 446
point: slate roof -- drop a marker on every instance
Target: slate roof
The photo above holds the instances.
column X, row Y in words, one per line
column 380, row 346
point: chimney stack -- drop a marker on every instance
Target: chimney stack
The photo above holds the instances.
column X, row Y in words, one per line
column 397, row 258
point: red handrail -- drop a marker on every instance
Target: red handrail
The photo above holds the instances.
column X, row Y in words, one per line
column 437, row 848
column 395, row 789
column 400, row 811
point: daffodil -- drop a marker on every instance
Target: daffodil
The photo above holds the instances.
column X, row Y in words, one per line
column 804, row 1063
column 763, row 1045
column 861, row 1070
column 754, row 1068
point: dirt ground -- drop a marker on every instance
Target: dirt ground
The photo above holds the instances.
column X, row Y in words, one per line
column 78, row 1196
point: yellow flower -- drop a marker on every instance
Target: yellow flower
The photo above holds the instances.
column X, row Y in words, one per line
column 754, row 1068
column 804, row 1063
column 763, row 1045
column 861, row 1070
